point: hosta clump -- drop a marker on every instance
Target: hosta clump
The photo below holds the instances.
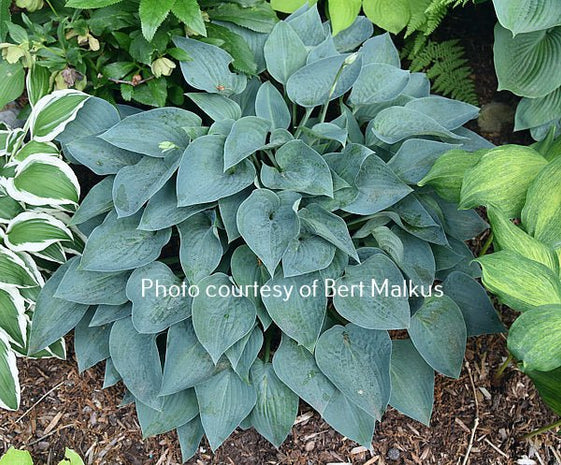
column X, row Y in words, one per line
column 38, row 193
column 298, row 181
column 523, row 271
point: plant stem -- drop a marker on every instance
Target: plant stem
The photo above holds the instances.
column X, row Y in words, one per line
column 487, row 244
column 272, row 158
column 504, row 366
column 545, row 429
column 52, row 8
column 323, row 113
column 303, row 122
column 268, row 339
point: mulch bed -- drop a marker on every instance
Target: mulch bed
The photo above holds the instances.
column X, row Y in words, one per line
column 62, row 408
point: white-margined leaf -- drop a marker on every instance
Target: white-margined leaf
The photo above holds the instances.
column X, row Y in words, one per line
column 14, row 271
column 9, row 382
column 13, row 320
column 33, row 232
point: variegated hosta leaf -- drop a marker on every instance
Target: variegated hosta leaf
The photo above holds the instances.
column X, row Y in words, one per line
column 52, row 113
column 42, row 179
column 14, row 271
column 13, row 320
column 9, row 382
column 34, row 232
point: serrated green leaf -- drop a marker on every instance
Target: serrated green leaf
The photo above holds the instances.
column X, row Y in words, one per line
column 152, row 15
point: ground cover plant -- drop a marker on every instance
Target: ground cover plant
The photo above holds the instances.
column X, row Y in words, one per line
column 523, row 271
column 22, row 457
column 121, row 50
column 38, row 193
column 303, row 177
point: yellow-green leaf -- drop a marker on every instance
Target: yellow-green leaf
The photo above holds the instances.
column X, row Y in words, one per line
column 519, row 282
column 501, row 179
column 391, row 15
column 343, row 13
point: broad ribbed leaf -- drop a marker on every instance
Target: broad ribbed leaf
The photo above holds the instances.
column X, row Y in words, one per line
column 533, row 112
column 518, row 167
column 510, row 275
column 378, row 82
column 219, row 322
column 408, row 369
column 33, row 232
column 124, row 246
column 190, row 436
column 343, row 13
column 201, row 177
column 98, row 201
column 526, row 16
column 224, row 401
column 270, row 106
column 534, row 338
column 247, row 136
column 391, row 15
column 436, row 325
column 216, row 106
column 276, row 406
column 451, row 114
column 343, row 352
column 527, row 64
column 91, row 344
column 285, row 53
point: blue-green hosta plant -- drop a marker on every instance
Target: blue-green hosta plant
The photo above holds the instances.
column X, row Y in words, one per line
column 38, row 193
column 527, row 56
column 524, row 270
column 274, row 192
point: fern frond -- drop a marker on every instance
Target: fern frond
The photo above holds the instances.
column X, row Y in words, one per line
column 446, row 66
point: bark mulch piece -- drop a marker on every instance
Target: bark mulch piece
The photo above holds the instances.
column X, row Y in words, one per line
column 62, row 408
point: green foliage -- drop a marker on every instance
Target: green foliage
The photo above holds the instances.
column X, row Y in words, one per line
column 293, row 183
column 38, row 193
column 524, row 270
column 527, row 51
column 21, row 457
column 123, row 51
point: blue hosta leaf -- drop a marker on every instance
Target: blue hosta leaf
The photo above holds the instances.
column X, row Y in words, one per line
column 100, row 156
column 99, row 200
column 418, row 87
column 343, row 352
column 300, row 168
column 209, row 69
column 479, row 314
column 224, row 401
column 522, row 16
column 268, row 224
column 380, row 49
column 329, row 226
column 327, row 131
column 308, row 25
column 408, row 369
column 247, row 136
column 221, row 128
column 324, row 50
column 137, row 360
column 350, row 420
column 284, row 51
column 461, row 224
column 105, row 314
column 135, row 185
column 324, row 80
column 220, row 322
column 297, row 368
column 350, row 38
column 216, row 106
column 92, row 287
column 270, row 106
column 91, row 344
column 200, row 251
column 378, row 188
column 449, row 113
column 248, row 269
column 177, row 410
column 190, row 435
column 300, row 311
column 533, row 112
column 394, row 124
column 201, row 177
column 276, row 406
column 417, row 261
column 439, row 323
column 228, row 207
column 157, row 298
column 111, row 376
column 243, row 360
column 187, row 363
column 374, row 305
column 527, row 64
column 307, row 253
column 124, row 246
column 378, row 82
column 145, row 132
column 53, row 317
column 162, row 212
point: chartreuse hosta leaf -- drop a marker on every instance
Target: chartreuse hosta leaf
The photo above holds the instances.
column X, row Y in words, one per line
column 534, row 338
column 541, row 213
column 509, row 275
column 209, row 245
column 392, row 16
column 548, row 385
column 518, row 167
